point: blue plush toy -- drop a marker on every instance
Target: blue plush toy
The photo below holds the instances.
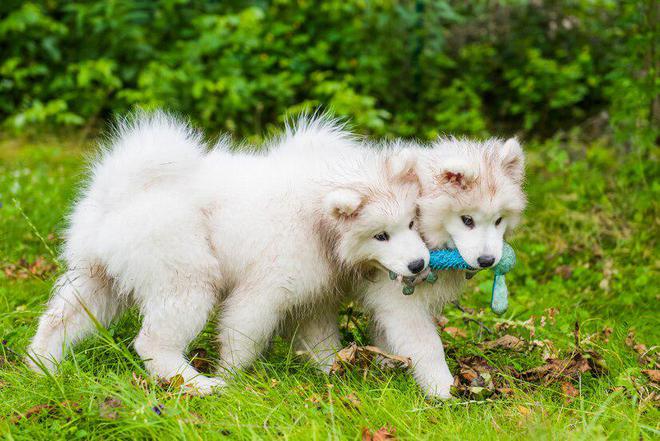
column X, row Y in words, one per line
column 452, row 260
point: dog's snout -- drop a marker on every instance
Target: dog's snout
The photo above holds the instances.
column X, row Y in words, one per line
column 486, row 261
column 416, row 266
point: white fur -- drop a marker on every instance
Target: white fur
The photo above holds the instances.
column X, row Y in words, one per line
column 489, row 188
column 177, row 230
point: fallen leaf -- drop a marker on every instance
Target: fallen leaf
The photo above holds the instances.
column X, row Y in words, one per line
column 140, row 382
column 345, row 356
column 477, row 380
column 506, row 342
column 200, row 360
column 569, row 368
column 176, row 381
column 352, row 400
column 455, row 332
column 108, row 408
column 382, row 434
column 40, row 268
column 442, row 321
column 653, row 374
column 314, row 399
column 50, row 409
column 397, row 359
column 564, row 271
column 363, row 355
column 569, row 391
column 551, row 312
column 524, row 411
column 645, row 357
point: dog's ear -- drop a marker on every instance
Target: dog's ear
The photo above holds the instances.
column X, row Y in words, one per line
column 456, row 174
column 402, row 166
column 513, row 159
column 343, row 203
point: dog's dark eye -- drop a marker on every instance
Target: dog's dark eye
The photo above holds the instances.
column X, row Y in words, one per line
column 468, row 221
column 411, row 224
column 382, row 236
column 498, row 221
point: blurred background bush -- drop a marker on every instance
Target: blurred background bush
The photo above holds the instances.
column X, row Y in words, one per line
column 405, row 68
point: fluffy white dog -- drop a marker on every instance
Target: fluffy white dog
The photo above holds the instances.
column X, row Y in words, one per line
column 176, row 229
column 471, row 196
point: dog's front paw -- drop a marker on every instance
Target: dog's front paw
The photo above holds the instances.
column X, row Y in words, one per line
column 201, row 385
column 438, row 387
column 440, row 391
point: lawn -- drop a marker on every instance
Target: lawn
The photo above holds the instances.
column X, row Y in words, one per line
column 583, row 310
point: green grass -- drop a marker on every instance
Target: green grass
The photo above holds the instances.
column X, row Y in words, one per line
column 587, row 248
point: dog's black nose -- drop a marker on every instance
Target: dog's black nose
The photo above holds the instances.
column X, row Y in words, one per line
column 486, row 261
column 416, row 266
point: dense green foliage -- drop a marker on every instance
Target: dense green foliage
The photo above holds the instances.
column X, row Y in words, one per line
column 410, row 68
column 586, row 248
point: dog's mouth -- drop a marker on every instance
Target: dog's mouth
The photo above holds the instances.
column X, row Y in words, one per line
column 410, row 280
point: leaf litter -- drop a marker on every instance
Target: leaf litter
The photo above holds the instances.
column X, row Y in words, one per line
column 40, row 268
column 382, row 434
column 363, row 356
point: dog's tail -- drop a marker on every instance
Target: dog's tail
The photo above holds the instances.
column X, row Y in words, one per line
column 147, row 149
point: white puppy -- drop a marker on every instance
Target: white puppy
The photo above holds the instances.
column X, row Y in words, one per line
column 471, row 196
column 175, row 229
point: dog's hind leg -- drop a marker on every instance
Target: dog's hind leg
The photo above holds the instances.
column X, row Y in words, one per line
column 81, row 299
column 172, row 318
column 250, row 317
column 318, row 336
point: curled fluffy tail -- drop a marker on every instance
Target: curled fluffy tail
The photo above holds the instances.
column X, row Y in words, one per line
column 147, row 149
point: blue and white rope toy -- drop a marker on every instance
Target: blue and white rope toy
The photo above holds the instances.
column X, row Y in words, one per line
column 445, row 259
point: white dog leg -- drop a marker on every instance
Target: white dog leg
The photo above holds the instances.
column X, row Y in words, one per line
column 248, row 322
column 408, row 326
column 78, row 296
column 318, row 336
column 170, row 323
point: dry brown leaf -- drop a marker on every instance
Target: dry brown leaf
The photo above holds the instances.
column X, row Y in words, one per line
column 352, row 400
column 314, row 399
column 569, row 368
column 455, row 332
column 442, row 321
column 40, row 268
column 564, row 271
column 404, row 361
column 176, row 381
column 653, row 374
column 569, row 391
column 344, row 357
column 362, row 356
column 108, row 408
column 199, row 359
column 506, row 342
column 645, row 356
column 39, row 408
column 382, row 434
column 504, row 391
column 140, row 382
column 478, row 380
column 552, row 313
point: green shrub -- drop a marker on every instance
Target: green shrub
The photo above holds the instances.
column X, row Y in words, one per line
column 407, row 68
